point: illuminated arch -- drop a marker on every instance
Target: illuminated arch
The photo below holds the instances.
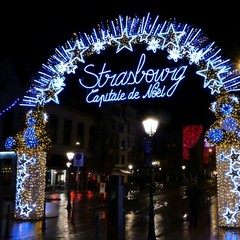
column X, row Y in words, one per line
column 179, row 41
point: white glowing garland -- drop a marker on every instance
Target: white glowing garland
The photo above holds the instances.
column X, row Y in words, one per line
column 179, row 40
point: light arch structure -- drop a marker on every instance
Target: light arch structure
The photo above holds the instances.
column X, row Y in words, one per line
column 179, row 41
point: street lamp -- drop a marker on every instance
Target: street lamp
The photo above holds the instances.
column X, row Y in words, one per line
column 130, row 167
column 150, row 126
column 183, row 168
column 70, row 156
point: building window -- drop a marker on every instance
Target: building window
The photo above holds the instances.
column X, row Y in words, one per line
column 122, row 145
column 80, row 134
column 122, row 160
column 120, row 127
column 67, row 132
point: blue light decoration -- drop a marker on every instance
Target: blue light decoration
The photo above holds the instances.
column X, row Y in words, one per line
column 9, row 143
column 31, row 121
column 180, row 42
column 31, row 145
column 226, row 109
column 230, row 124
column 30, row 138
column 30, row 185
column 215, row 136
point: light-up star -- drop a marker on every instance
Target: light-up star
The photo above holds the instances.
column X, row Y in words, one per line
column 31, row 161
column 236, row 188
column 107, row 38
column 229, row 215
column 71, row 67
column 18, row 203
column 237, row 207
column 222, row 156
column 171, row 37
column 233, row 174
column 19, row 186
column 76, row 52
column 22, row 174
column 144, row 37
column 215, row 87
column 210, row 74
column 25, row 210
column 124, row 41
column 22, row 159
column 51, row 93
column 234, row 156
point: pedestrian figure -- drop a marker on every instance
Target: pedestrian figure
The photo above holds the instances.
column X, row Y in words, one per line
column 194, row 194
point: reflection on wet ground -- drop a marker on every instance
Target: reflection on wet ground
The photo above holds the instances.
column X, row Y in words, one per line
column 88, row 220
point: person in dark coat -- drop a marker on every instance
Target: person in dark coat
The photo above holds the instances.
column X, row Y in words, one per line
column 194, row 194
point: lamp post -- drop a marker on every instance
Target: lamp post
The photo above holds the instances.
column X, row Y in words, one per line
column 70, row 156
column 150, row 126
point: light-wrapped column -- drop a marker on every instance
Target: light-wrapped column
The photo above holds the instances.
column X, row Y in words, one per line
column 228, row 186
column 30, row 185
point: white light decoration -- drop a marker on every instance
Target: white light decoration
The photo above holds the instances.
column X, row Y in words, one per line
column 224, row 135
column 30, row 185
column 180, row 42
column 31, row 145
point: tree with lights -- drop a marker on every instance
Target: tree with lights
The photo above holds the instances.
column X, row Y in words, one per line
column 31, row 146
column 224, row 133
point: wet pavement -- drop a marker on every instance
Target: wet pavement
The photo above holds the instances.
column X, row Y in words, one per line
column 88, row 219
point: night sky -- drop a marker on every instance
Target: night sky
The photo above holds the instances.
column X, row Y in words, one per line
column 30, row 33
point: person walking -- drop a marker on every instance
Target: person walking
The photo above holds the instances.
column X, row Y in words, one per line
column 194, row 194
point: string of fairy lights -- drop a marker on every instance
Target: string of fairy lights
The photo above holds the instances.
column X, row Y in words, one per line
column 31, row 146
column 179, row 41
column 224, row 133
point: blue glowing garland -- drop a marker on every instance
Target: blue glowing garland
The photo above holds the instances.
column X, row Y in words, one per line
column 179, row 40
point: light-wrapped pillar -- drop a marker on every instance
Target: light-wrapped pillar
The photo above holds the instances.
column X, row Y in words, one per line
column 31, row 146
column 228, row 186
column 30, row 182
column 224, row 134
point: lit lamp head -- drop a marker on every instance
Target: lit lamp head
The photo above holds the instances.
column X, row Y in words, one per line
column 70, row 156
column 68, row 164
column 150, row 126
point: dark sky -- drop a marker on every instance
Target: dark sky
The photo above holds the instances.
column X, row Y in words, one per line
column 31, row 31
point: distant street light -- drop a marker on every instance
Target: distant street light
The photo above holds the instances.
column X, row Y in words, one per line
column 70, row 156
column 183, row 168
column 150, row 126
column 130, row 167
